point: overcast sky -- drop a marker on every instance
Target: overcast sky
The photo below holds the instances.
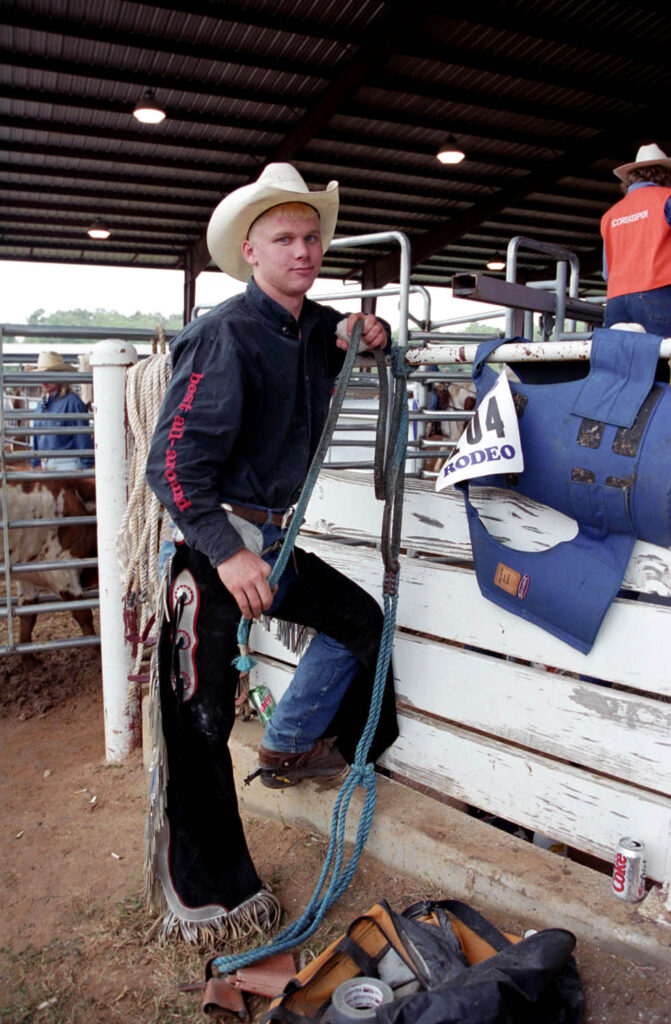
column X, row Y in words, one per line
column 25, row 287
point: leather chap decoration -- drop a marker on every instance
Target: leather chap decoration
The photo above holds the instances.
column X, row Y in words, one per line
column 598, row 450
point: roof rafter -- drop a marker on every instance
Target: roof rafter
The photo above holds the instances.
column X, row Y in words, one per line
column 17, row 18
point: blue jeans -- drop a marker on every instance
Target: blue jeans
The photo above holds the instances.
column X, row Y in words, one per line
column 651, row 309
column 320, row 681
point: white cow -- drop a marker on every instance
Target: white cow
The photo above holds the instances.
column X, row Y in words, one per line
column 47, row 499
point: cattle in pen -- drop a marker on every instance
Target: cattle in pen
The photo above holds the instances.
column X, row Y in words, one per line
column 50, row 499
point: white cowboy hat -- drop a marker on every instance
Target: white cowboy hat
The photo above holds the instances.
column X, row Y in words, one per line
column 646, row 157
column 235, row 214
column 48, row 362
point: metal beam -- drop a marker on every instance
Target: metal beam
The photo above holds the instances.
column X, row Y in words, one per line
column 158, row 160
column 482, row 288
column 159, row 137
column 529, row 71
column 119, row 247
column 237, row 15
column 474, row 127
column 413, row 202
column 74, row 101
column 142, row 261
column 287, row 97
column 65, row 212
column 149, row 182
column 101, row 196
column 489, row 102
column 75, row 28
column 578, row 32
column 482, row 211
column 374, row 47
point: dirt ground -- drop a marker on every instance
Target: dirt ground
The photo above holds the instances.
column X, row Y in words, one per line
column 73, row 928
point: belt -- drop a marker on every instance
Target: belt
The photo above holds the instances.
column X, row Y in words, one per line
column 260, row 516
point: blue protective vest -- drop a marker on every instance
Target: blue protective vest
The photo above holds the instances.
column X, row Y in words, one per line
column 599, row 450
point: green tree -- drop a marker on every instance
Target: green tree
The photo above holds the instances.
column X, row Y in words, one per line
column 105, row 318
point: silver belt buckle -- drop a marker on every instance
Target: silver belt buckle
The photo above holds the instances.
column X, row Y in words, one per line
column 287, row 517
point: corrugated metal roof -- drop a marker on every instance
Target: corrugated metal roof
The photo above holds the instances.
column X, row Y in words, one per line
column 545, row 96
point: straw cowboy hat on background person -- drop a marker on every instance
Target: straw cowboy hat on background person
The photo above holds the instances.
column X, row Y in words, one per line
column 278, row 183
column 646, row 157
column 49, row 362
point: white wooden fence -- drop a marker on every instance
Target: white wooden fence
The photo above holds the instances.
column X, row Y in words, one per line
column 581, row 762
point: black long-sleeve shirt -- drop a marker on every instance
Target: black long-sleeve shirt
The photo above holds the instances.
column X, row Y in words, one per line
column 243, row 413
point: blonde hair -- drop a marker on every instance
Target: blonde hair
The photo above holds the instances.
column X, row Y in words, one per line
column 295, row 210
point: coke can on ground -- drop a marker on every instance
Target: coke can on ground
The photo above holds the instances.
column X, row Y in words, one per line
column 262, row 701
column 629, row 870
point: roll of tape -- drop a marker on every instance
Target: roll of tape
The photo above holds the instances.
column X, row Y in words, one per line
column 355, row 1000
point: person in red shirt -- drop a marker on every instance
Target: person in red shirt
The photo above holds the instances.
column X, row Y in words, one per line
column 637, row 245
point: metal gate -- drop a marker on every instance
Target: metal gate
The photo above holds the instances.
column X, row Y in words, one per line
column 25, row 527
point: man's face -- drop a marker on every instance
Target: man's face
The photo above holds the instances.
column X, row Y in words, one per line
column 285, row 252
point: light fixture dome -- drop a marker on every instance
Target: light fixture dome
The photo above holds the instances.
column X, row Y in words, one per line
column 496, row 262
column 98, row 231
column 147, row 110
column 450, row 152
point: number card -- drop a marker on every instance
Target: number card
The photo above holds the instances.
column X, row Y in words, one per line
column 491, row 441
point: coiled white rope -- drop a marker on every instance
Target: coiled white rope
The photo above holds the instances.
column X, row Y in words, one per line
column 141, row 531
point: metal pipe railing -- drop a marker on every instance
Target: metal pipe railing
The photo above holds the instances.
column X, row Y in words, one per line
column 133, row 334
column 25, row 568
column 379, row 238
column 514, row 352
column 50, row 645
column 49, row 607
column 562, row 254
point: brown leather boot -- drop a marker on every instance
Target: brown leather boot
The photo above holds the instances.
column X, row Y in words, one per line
column 279, row 770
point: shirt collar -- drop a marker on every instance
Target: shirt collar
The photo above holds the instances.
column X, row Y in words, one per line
column 641, row 184
column 277, row 314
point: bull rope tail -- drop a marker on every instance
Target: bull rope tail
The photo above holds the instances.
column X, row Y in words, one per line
column 141, row 530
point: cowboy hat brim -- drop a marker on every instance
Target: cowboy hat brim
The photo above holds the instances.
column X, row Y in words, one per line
column 624, row 169
column 55, row 369
column 235, row 214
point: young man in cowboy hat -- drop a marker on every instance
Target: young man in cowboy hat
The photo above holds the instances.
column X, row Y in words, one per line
column 59, row 398
column 637, row 245
column 241, row 419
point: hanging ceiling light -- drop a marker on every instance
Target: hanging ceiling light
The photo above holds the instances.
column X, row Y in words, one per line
column 450, row 152
column 148, row 110
column 496, row 262
column 98, row 230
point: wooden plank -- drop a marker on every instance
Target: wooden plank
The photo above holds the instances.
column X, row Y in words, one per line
column 343, row 503
column 567, row 803
column 570, row 804
column 619, row 734
column 633, row 646
column 623, row 735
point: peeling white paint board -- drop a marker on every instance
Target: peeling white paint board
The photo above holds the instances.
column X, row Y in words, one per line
column 567, row 803
column 633, row 646
column 620, row 734
column 563, row 802
column 344, row 503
